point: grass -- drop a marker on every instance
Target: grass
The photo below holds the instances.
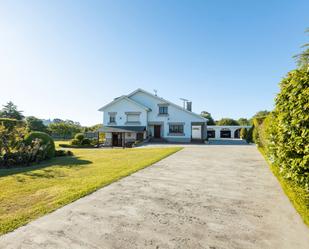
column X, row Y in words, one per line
column 298, row 196
column 28, row 193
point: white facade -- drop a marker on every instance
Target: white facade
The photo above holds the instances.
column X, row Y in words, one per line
column 120, row 110
column 161, row 118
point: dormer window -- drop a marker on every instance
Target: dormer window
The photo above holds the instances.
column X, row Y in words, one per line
column 163, row 110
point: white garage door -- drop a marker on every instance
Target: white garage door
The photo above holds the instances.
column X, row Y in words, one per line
column 196, row 132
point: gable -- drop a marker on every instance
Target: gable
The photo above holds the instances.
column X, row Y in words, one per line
column 123, row 104
column 152, row 101
column 121, row 100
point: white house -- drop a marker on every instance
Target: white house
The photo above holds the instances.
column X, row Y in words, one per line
column 143, row 115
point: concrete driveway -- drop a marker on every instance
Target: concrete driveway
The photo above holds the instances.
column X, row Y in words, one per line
column 201, row 197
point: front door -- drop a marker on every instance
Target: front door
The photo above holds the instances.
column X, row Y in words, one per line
column 157, row 131
column 115, row 140
column 196, row 132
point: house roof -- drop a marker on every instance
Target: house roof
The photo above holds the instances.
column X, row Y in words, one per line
column 124, row 97
column 166, row 101
column 122, row 128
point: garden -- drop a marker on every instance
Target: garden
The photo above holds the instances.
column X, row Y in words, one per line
column 36, row 177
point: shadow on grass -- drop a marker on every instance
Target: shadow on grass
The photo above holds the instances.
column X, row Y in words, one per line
column 66, row 162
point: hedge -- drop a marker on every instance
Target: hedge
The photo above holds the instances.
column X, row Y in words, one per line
column 284, row 138
column 10, row 122
column 289, row 131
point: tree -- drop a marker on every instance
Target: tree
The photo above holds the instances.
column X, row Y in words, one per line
column 64, row 130
column 244, row 121
column 227, row 121
column 261, row 114
column 35, row 124
column 207, row 115
column 12, row 133
column 303, row 58
column 10, row 111
column 93, row 128
column 57, row 120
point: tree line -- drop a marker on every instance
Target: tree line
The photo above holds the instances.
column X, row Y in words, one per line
column 230, row 121
column 58, row 128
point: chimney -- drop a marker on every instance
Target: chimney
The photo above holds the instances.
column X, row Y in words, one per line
column 189, row 106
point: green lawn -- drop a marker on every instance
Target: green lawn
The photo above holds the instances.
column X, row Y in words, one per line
column 28, row 193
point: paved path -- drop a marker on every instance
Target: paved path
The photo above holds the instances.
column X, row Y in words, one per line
column 201, row 197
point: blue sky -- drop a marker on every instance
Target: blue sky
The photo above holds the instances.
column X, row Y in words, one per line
column 66, row 59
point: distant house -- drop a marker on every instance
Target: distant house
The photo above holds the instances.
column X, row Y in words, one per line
column 142, row 115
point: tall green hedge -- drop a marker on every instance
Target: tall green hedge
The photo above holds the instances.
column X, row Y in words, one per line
column 283, row 137
column 288, row 133
column 284, row 133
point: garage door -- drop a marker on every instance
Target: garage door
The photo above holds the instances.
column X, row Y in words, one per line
column 196, row 132
column 211, row 134
column 225, row 133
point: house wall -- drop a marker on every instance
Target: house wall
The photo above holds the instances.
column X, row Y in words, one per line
column 121, row 108
column 175, row 115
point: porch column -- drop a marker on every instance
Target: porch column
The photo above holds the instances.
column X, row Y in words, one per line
column 123, row 136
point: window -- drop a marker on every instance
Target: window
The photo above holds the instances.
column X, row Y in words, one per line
column 112, row 119
column 132, row 118
column 163, row 110
column 176, row 128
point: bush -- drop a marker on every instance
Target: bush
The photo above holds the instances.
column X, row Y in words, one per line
column 59, row 153
column 76, row 146
column 26, row 154
column 80, row 141
column 45, row 140
column 86, row 141
column 75, row 142
column 249, row 138
column 243, row 133
column 80, row 137
column 258, row 131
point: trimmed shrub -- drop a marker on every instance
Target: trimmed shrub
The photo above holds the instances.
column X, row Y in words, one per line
column 45, row 140
column 86, row 141
column 59, row 153
column 75, row 142
column 80, row 137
